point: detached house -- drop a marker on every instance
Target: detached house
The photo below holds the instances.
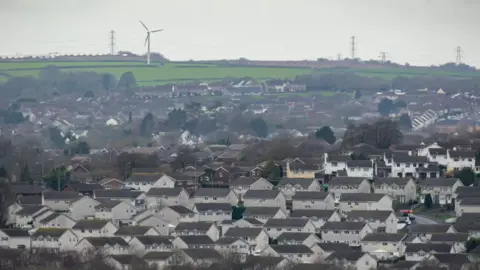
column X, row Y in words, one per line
column 118, row 211
column 151, row 243
column 317, row 217
column 334, row 163
column 354, row 259
column 54, row 238
column 275, row 227
column 365, row 201
column 401, row 190
column 128, row 232
column 345, row 232
column 94, row 228
column 257, row 238
column 264, row 198
column 313, row 200
column 213, row 212
column 384, row 245
column 359, row 168
column 175, row 214
column 59, row 200
column 295, row 253
column 301, row 170
column 243, row 184
column 342, row 185
column 459, row 159
column 198, row 228
column 289, row 186
column 379, row 221
column 158, row 197
column 106, row 245
column 14, row 238
column 264, row 213
column 441, row 189
column 215, row 195
column 298, row 238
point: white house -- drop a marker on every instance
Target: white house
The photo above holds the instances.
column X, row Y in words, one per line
column 14, row 238
column 60, row 239
column 105, row 245
column 275, row 227
column 365, row 201
column 94, row 228
column 264, row 198
column 289, row 186
column 56, row 220
column 313, row 200
column 118, row 211
column 342, row 185
column 159, row 197
column 243, row 184
column 359, row 168
column 345, row 232
column 215, row 195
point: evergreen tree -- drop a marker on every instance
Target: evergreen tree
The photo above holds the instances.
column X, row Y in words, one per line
column 428, row 201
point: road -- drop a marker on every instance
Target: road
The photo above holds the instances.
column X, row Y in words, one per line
column 424, row 220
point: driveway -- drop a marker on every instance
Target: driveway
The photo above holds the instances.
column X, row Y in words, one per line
column 424, row 220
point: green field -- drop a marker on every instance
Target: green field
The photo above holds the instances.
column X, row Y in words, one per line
column 184, row 72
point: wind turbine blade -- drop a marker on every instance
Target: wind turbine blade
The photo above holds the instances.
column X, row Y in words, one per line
column 144, row 25
column 146, row 39
column 154, row 31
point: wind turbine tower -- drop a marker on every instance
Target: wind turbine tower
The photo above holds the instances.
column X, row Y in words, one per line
column 147, row 40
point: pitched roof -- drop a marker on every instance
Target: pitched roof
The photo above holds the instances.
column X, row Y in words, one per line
column 351, row 256
column 291, row 249
column 361, row 197
column 452, row 258
column 365, row 215
column 117, row 193
column 346, row 181
column 359, row 164
column 334, row 247
column 261, row 194
column 212, row 192
column 260, row 211
column 102, row 241
column 93, row 224
column 384, row 237
column 310, row 195
column 305, row 183
column 286, row 222
column 310, row 213
column 343, row 225
column 144, row 178
column 429, row 228
column 390, row 181
column 295, row 236
column 449, row 237
column 203, row 207
column 180, row 209
column 203, row 253
column 245, row 181
column 243, row 232
column 132, row 230
column 157, row 255
column 61, row 195
column 149, row 240
column 427, row 247
column 439, row 182
column 191, row 226
column 196, row 239
column 160, row 192
column 52, row 232
column 15, row 232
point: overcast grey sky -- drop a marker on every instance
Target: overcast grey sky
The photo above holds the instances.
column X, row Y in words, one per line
column 414, row 31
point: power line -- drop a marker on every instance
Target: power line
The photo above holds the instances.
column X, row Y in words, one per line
column 459, row 57
column 112, row 42
column 353, row 46
column 383, row 57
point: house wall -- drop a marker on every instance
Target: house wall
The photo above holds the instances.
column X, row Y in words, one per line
column 164, row 182
column 392, row 248
column 331, row 167
column 444, row 194
column 62, row 221
column 214, row 216
column 13, row 242
column 337, row 190
column 274, row 232
column 467, row 209
column 60, row 205
column 108, row 230
column 398, row 193
column 159, row 224
column 279, row 201
column 83, row 208
column 327, row 204
column 359, row 172
column 365, row 263
column 260, row 184
column 352, row 238
column 174, row 218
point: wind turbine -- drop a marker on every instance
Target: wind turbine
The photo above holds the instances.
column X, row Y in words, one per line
column 147, row 40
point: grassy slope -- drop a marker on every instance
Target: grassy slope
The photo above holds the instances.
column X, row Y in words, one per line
column 173, row 72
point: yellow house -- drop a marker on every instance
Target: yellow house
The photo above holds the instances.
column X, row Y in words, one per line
column 301, row 170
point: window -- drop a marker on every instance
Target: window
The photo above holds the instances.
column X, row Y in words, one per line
column 398, row 164
column 334, row 164
column 407, row 165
